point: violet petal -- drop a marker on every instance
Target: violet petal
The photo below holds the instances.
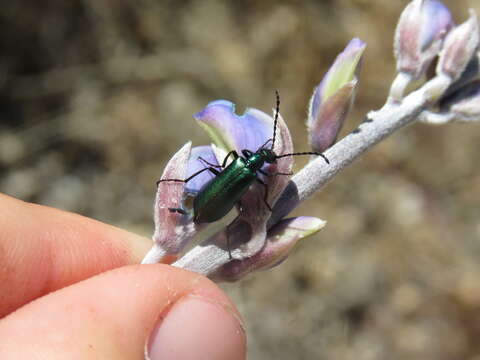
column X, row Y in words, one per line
column 232, row 131
column 437, row 19
column 195, row 164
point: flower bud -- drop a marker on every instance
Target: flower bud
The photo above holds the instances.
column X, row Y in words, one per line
column 332, row 99
column 250, row 131
column 280, row 241
column 419, row 36
column 470, row 74
column 465, row 103
column 459, row 48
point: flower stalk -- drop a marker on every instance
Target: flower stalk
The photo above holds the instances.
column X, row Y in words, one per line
column 211, row 255
column 452, row 93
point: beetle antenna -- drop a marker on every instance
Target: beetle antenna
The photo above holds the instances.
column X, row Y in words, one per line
column 264, row 144
column 304, row 153
column 277, row 110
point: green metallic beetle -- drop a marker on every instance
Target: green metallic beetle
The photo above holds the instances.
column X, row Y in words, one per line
column 218, row 196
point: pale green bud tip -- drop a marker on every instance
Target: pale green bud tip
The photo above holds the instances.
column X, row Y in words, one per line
column 332, row 99
column 342, row 71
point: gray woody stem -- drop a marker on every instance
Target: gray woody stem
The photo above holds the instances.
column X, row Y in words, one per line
column 208, row 257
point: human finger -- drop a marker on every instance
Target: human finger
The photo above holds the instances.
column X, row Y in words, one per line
column 173, row 313
column 43, row 249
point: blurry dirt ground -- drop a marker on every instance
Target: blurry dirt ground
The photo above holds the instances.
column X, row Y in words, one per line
column 95, row 96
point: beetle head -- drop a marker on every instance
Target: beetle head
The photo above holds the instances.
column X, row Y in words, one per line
column 268, row 155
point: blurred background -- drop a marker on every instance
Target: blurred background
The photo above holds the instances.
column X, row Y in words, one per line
column 95, row 96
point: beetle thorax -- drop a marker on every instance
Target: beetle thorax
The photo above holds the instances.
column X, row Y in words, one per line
column 262, row 156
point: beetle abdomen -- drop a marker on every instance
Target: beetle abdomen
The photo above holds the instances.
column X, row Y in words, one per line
column 221, row 193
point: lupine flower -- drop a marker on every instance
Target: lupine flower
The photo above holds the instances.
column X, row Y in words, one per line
column 332, row 99
column 250, row 131
column 173, row 229
column 419, row 36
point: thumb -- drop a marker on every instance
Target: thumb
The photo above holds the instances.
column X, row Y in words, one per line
column 171, row 313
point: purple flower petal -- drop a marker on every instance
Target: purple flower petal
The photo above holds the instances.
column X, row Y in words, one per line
column 195, row 165
column 315, row 102
column 231, row 131
column 437, row 19
column 251, row 131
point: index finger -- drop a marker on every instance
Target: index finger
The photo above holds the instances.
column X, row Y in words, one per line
column 43, row 249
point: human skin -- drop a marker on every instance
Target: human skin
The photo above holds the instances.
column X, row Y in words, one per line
column 71, row 288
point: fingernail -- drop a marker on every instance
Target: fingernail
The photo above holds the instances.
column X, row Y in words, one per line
column 197, row 328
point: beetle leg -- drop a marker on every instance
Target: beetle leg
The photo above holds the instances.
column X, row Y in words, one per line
column 265, row 198
column 211, row 169
column 247, row 153
column 235, row 155
column 208, row 163
column 178, row 210
column 266, row 142
column 230, row 257
column 274, row 174
column 240, row 206
column 227, row 230
column 264, row 173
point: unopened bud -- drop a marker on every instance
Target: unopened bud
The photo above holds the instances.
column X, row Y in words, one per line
column 419, row 35
column 465, row 103
column 333, row 97
column 280, row 241
column 459, row 48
